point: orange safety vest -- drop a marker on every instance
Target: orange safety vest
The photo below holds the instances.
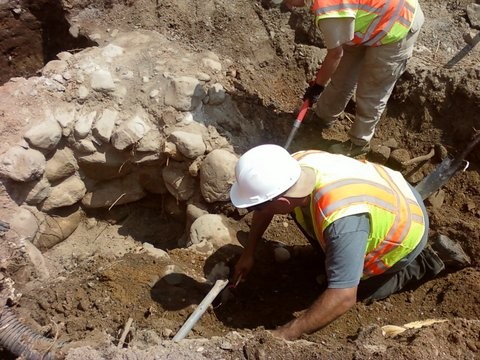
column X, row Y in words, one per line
column 346, row 187
column 377, row 22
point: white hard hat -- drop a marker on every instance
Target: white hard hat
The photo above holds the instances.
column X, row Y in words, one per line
column 263, row 173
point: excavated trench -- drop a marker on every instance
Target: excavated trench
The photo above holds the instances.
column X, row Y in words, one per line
column 33, row 33
column 130, row 260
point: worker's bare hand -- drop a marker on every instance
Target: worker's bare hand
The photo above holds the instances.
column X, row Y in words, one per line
column 285, row 332
column 242, row 268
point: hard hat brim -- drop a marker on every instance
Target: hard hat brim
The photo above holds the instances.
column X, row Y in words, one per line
column 304, row 185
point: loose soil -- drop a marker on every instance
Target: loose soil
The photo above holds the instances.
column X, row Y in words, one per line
column 106, row 276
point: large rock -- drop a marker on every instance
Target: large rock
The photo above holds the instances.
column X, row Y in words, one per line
column 213, row 229
column 114, row 192
column 185, row 93
column 55, row 229
column 191, row 145
column 129, row 132
column 65, row 116
column 67, row 193
column 25, row 223
column 22, row 164
column 217, row 174
column 40, row 191
column 178, row 181
column 83, row 124
column 61, row 165
column 102, row 81
column 45, row 135
column 104, row 126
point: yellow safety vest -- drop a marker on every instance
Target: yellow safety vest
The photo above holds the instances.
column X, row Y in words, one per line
column 345, row 186
column 376, row 22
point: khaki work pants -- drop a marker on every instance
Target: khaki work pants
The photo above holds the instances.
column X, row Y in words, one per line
column 373, row 72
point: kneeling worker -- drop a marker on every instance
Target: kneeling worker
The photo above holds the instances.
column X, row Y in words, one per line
column 370, row 223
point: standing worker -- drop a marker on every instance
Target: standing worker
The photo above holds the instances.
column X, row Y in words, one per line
column 370, row 223
column 368, row 45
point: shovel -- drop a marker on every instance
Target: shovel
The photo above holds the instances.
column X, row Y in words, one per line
column 447, row 168
column 297, row 122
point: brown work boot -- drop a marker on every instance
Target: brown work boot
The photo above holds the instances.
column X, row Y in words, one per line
column 348, row 148
column 450, row 252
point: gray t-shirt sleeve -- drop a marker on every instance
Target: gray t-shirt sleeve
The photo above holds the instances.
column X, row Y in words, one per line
column 346, row 241
column 337, row 31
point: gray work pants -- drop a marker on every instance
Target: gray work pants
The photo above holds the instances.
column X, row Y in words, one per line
column 422, row 264
column 373, row 71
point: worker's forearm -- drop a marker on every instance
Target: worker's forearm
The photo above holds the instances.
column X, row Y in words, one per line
column 328, row 307
column 260, row 223
column 329, row 65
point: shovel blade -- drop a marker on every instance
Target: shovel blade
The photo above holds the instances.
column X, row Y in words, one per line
column 436, row 179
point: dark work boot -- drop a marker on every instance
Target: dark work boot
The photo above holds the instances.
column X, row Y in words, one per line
column 348, row 148
column 433, row 264
column 450, row 252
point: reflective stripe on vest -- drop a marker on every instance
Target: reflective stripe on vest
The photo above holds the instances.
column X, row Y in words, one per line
column 397, row 221
column 376, row 22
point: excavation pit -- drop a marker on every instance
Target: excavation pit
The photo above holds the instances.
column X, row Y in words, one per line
column 131, row 253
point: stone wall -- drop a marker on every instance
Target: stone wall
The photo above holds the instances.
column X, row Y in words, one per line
column 112, row 124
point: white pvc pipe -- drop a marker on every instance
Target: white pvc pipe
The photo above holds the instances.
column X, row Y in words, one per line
column 201, row 308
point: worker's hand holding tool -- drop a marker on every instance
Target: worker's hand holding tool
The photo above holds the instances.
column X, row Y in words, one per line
column 242, row 268
column 313, row 92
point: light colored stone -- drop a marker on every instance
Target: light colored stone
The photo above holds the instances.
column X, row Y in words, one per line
column 83, row 124
column 104, row 126
column 108, row 157
column 25, row 223
column 54, row 67
column 184, row 93
column 39, row 192
column 46, row 135
column 178, row 182
column 217, row 174
column 129, row 132
column 36, row 259
column 191, row 145
column 21, row 164
column 111, row 51
column 55, row 229
column 83, row 92
column 64, row 55
column 114, row 192
column 65, row 116
column 67, row 193
column 85, row 146
column 74, row 30
column 151, row 142
column 213, row 229
column 102, row 81
column 473, row 13
column 155, row 252
column 212, row 64
column 61, row 165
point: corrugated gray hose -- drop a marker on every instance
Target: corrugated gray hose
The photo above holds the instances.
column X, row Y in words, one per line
column 20, row 340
